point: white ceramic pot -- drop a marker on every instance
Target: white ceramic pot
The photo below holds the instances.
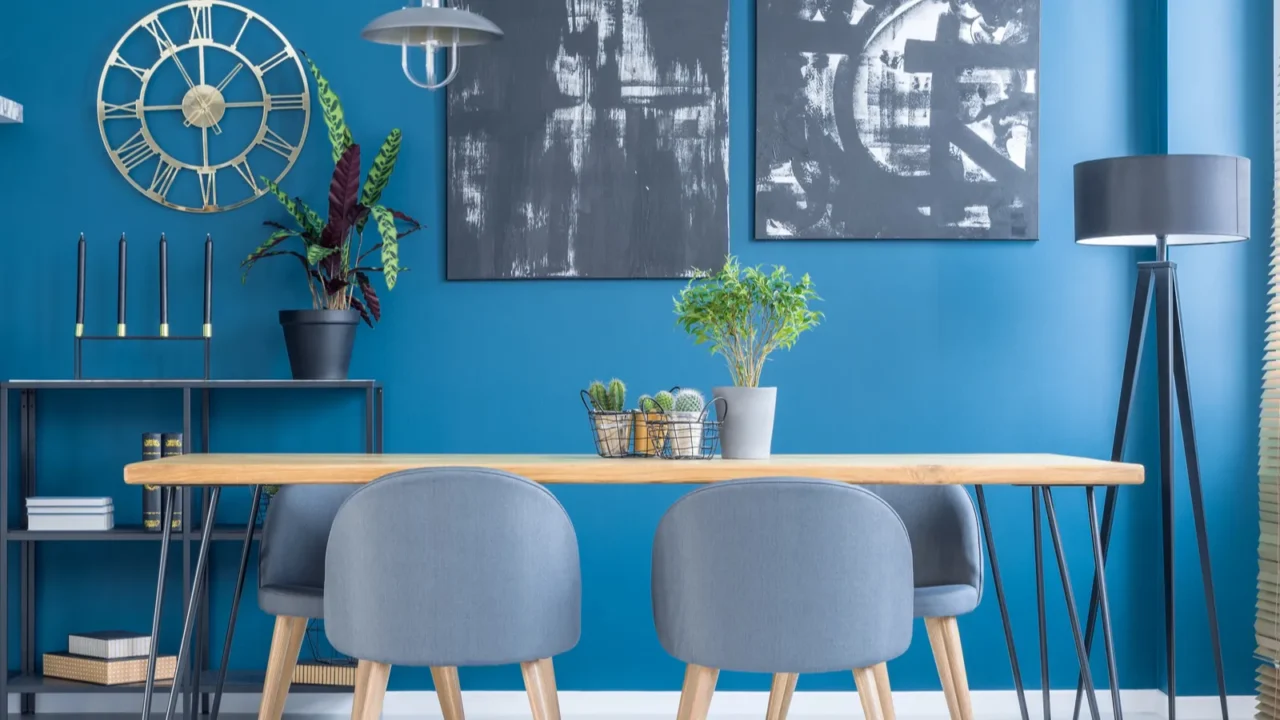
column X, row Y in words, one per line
column 747, row 432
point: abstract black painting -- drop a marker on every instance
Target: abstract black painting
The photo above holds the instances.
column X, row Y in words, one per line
column 897, row 119
column 591, row 142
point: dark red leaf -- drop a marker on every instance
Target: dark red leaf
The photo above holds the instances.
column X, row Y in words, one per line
column 370, row 297
column 333, row 286
column 344, row 191
column 364, row 314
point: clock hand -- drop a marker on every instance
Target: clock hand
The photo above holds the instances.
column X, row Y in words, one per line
column 234, row 71
column 182, row 69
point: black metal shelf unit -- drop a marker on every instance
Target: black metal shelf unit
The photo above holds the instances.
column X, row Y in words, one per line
column 27, row 682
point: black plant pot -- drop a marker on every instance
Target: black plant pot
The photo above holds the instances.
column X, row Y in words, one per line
column 319, row 342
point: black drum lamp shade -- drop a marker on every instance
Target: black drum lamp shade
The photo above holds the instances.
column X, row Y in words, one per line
column 1184, row 199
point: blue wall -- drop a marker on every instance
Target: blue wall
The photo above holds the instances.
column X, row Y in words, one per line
column 927, row 346
column 1220, row 98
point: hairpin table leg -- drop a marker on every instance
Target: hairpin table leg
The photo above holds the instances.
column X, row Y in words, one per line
column 1000, row 599
column 188, row 620
column 166, row 531
column 235, row 602
column 1072, row 615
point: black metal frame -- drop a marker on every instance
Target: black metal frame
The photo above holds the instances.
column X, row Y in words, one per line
column 78, row 352
column 26, row 682
column 1174, row 391
column 1050, row 517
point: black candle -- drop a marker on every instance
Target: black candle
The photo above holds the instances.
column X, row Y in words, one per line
column 208, row 286
column 80, row 287
column 120, row 331
column 164, row 286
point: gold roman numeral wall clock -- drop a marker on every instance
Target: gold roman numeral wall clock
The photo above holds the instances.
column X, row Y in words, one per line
column 198, row 101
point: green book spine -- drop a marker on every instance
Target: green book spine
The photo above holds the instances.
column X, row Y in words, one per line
column 152, row 496
column 172, row 445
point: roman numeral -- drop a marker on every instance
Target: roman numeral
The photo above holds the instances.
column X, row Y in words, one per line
column 277, row 144
column 134, row 151
column 201, row 22
column 117, row 61
column 128, row 111
column 287, row 102
column 245, row 26
column 273, row 61
column 243, row 169
column 163, row 42
column 162, row 179
column 208, row 186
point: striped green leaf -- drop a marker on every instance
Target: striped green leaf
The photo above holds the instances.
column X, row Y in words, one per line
column 316, row 253
column 334, row 119
column 289, row 203
column 276, row 238
column 390, row 243
column 380, row 174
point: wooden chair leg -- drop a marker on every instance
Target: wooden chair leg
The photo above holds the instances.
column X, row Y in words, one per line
column 955, row 658
column 784, row 686
column 695, row 698
column 886, row 694
column 448, row 691
column 375, row 690
column 540, row 684
column 286, row 640
column 936, row 628
column 868, row 693
column 362, row 688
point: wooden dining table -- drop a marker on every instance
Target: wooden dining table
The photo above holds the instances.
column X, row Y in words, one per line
column 1040, row 473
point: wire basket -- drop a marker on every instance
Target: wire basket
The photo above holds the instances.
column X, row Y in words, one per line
column 688, row 435
column 611, row 430
column 321, row 651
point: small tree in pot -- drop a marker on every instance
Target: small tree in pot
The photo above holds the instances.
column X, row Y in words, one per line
column 335, row 263
column 745, row 314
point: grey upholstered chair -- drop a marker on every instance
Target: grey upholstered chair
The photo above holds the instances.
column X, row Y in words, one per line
column 445, row 567
column 291, row 577
column 782, row 575
column 947, row 559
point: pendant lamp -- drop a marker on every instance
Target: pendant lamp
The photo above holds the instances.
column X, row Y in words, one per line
column 433, row 26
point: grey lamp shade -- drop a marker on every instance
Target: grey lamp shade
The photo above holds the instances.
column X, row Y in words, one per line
column 419, row 25
column 1187, row 199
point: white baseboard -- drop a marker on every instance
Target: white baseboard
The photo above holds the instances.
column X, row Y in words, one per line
column 621, row 704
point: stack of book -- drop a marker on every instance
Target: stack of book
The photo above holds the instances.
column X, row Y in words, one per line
column 107, row 658
column 70, row 513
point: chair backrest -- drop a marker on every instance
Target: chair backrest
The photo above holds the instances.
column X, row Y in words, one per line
column 295, row 533
column 782, row 575
column 452, row 566
column 945, row 539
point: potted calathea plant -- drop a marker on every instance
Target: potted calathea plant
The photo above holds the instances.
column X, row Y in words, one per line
column 744, row 314
column 336, row 261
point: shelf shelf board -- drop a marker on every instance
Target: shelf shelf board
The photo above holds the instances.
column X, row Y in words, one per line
column 124, row 532
column 238, row 681
column 178, row 384
column 10, row 112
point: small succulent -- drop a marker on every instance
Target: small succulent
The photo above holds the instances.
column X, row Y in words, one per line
column 665, row 400
column 611, row 398
column 646, row 404
column 689, row 401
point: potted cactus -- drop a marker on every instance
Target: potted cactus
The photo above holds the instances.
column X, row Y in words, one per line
column 610, row 420
column 649, row 431
column 685, row 424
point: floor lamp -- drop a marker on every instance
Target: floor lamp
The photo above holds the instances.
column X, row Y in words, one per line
column 1160, row 201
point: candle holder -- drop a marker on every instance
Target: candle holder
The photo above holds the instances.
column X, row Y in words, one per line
column 121, row 334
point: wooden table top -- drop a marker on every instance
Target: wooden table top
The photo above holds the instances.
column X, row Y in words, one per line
column 314, row 469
